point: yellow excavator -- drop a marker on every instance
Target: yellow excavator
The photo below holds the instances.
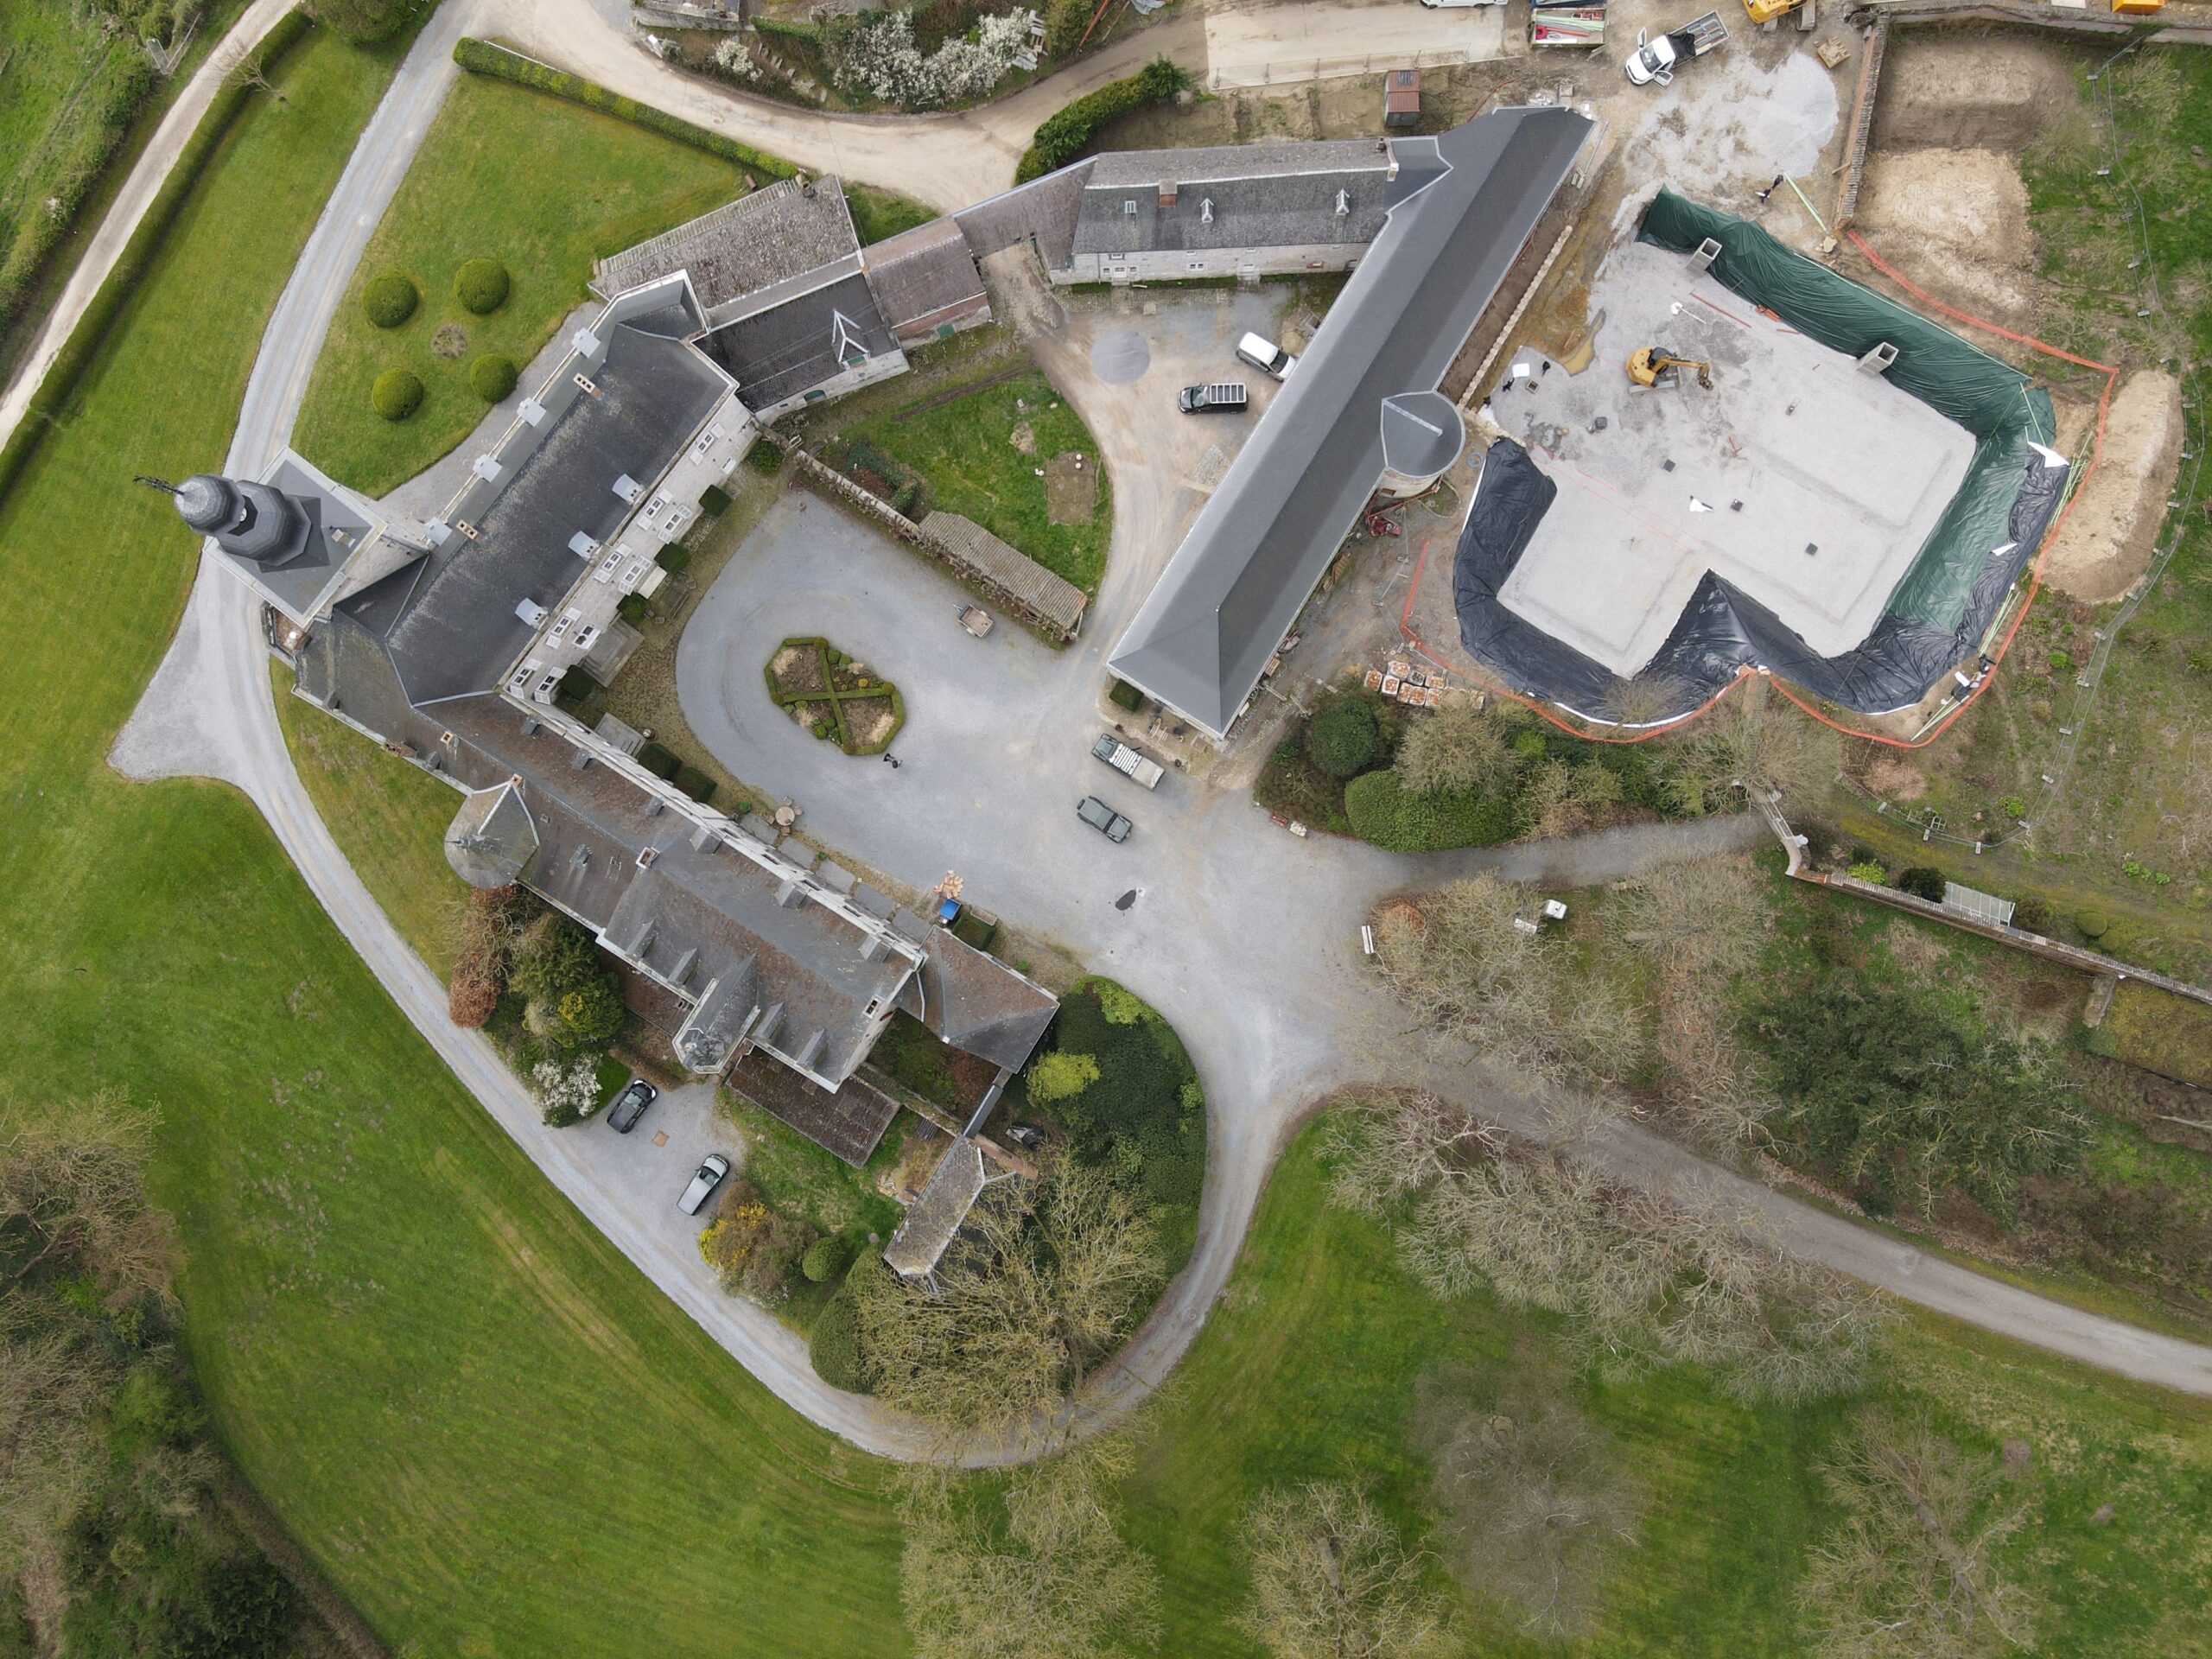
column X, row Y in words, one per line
column 1651, row 366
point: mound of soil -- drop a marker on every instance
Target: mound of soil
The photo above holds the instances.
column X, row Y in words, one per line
column 2108, row 536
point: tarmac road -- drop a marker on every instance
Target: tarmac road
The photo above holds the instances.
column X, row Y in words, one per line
column 1246, row 935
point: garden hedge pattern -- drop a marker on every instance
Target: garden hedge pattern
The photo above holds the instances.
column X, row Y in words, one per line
column 481, row 284
column 492, row 376
column 839, row 686
column 1063, row 134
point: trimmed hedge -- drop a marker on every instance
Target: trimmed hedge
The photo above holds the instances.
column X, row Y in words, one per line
column 492, row 376
column 695, row 783
column 1921, row 882
column 784, row 28
column 714, row 501
column 834, row 1344
column 658, row 760
column 766, row 455
column 1122, row 694
column 1393, row 817
column 482, row 285
column 48, row 403
column 1342, row 739
column 1063, row 135
column 396, row 394
column 390, row 299
column 483, row 58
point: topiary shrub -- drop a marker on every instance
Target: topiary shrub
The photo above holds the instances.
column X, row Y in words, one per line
column 827, row 1257
column 1384, row 811
column 481, row 285
column 1920, row 882
column 1867, row 869
column 390, row 299
column 1342, row 739
column 714, row 501
column 2094, row 924
column 835, row 1344
column 492, row 376
column 396, row 394
column 1122, row 694
column 696, row 784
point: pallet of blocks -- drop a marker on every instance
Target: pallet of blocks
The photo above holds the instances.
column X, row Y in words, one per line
column 1579, row 23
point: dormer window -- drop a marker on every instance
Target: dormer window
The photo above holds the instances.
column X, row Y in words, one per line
column 1205, row 211
column 1344, row 203
column 1129, row 209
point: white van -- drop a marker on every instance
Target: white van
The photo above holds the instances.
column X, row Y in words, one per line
column 1266, row 356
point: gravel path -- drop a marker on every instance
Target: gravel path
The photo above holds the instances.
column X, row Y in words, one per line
column 1245, row 935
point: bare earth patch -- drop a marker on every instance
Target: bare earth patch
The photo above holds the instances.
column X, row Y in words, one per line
column 2107, row 538
column 870, row 722
column 1955, row 222
column 1024, row 438
column 1070, row 489
column 450, row 340
column 1970, row 90
column 1896, row 779
column 798, row 670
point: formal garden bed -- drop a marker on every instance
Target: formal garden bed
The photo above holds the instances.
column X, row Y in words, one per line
column 833, row 696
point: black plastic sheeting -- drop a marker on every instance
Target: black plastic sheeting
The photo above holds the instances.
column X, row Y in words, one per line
column 1941, row 609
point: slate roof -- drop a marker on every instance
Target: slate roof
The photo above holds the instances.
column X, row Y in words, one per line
column 968, row 545
column 1266, row 195
column 935, row 1217
column 1043, row 208
column 1203, row 636
column 449, row 621
column 922, row 271
column 778, row 232
column 978, row 1004
column 794, row 346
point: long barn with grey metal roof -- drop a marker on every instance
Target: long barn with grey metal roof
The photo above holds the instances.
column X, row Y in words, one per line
column 1461, row 207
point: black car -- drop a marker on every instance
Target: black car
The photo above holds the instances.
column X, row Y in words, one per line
column 1198, row 400
column 630, row 1105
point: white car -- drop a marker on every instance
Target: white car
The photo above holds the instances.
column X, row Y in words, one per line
column 711, row 1175
column 1266, row 356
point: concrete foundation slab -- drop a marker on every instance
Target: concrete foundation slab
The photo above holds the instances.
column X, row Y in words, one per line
column 1804, row 480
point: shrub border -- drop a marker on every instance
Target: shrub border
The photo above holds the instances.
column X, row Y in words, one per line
column 504, row 63
column 47, row 403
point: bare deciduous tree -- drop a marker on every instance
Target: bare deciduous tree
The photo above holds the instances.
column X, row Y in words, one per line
column 1700, row 922
column 1536, row 1511
column 1910, row 1571
column 1330, row 1580
column 1050, row 1578
column 1466, row 973
column 1755, row 738
column 1039, row 1285
column 1642, row 1278
column 73, row 1182
column 1458, row 749
column 251, row 72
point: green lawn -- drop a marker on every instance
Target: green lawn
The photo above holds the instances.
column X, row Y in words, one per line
column 1312, row 1365
column 543, row 186
column 964, row 449
column 484, row 1426
column 879, row 215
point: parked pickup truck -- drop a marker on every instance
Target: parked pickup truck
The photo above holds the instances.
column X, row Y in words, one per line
column 1130, row 762
column 1655, row 61
column 1229, row 397
column 1103, row 819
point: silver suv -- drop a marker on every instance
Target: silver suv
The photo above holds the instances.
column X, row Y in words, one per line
column 710, row 1176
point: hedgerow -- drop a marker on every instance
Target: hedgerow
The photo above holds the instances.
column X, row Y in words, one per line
column 1063, row 135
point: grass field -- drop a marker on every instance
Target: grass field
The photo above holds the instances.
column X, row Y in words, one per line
column 413, row 1346
column 1315, row 1363
column 879, row 215
column 543, row 186
column 964, row 448
column 49, row 45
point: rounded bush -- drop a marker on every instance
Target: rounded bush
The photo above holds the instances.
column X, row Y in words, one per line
column 481, row 285
column 2094, row 924
column 1921, row 882
column 390, row 299
column 396, row 395
column 835, row 1344
column 1342, row 739
column 492, row 376
column 826, row 1258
